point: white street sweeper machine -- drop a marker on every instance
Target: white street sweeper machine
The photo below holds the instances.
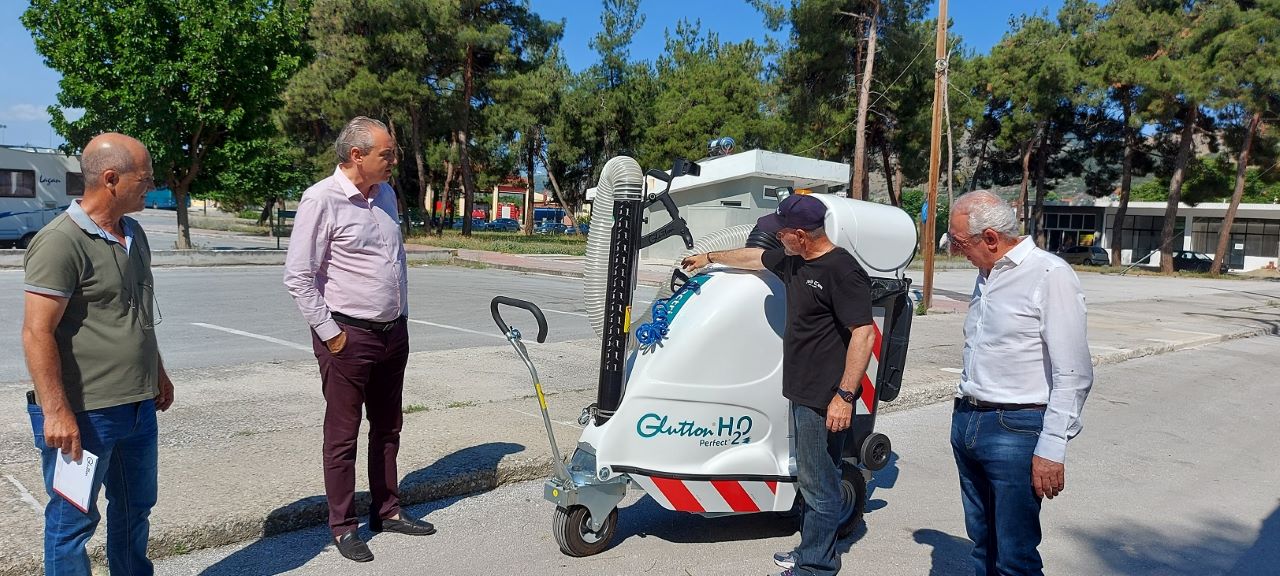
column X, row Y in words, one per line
column 690, row 406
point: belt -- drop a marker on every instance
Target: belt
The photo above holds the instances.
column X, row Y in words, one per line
column 366, row 324
column 977, row 404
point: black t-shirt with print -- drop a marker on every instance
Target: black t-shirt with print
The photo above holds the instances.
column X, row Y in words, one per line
column 825, row 297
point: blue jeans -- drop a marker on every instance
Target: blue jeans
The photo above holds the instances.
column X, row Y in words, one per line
column 124, row 440
column 818, row 479
column 993, row 450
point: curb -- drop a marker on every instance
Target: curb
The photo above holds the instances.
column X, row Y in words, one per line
column 544, row 271
column 944, row 390
column 309, row 512
column 12, row 259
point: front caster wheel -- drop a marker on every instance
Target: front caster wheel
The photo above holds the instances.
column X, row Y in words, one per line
column 574, row 534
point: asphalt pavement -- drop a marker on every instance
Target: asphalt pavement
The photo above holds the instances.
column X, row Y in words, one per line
column 1173, row 475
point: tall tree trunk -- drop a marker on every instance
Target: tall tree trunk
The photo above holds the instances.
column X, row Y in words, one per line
column 415, row 138
column 570, row 211
column 899, row 178
column 860, row 179
column 982, row 156
column 1042, row 160
column 1224, row 233
column 1175, row 188
column 531, row 154
column 464, row 142
column 446, row 205
column 1026, row 180
column 1126, row 178
column 401, row 205
column 888, row 176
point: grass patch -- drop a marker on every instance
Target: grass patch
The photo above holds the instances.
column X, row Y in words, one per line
column 507, row 242
column 455, row 262
column 410, row 409
column 463, row 404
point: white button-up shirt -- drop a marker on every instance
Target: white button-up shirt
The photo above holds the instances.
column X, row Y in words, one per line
column 1025, row 342
column 346, row 255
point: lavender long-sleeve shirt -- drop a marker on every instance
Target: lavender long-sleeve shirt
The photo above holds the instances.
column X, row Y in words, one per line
column 346, row 255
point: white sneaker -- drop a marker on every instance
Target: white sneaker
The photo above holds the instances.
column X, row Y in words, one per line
column 785, row 560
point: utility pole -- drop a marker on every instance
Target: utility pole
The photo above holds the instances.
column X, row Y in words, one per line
column 935, row 142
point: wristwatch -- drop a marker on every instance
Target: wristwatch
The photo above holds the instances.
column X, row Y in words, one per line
column 846, row 395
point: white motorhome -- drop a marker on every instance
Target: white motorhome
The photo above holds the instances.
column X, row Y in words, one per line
column 36, row 184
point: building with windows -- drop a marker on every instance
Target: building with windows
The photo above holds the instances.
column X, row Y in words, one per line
column 1254, row 243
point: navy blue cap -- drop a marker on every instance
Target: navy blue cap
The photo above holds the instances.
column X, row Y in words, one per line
column 796, row 211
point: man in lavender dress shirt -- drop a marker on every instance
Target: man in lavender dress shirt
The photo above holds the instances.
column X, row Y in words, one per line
column 346, row 271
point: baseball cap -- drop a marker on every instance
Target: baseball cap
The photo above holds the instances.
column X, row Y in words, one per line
column 796, row 211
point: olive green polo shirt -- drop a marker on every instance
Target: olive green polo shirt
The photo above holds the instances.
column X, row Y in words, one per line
column 106, row 338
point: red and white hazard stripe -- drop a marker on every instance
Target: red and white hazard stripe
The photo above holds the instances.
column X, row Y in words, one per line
column 868, row 403
column 717, row 495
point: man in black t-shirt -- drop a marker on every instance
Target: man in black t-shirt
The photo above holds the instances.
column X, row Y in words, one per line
column 825, row 351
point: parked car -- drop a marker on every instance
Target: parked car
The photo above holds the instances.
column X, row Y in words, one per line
column 579, row 229
column 504, row 225
column 1089, row 255
column 549, row 227
column 1194, row 261
column 477, row 225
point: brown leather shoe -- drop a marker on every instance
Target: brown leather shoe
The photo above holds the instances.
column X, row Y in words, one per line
column 353, row 548
column 403, row 525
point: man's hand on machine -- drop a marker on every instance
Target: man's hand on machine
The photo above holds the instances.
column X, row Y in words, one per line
column 839, row 414
column 696, row 261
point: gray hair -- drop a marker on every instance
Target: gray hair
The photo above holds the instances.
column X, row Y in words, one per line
column 358, row 133
column 107, row 156
column 986, row 210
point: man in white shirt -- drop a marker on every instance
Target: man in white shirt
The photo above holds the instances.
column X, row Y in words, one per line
column 1027, row 371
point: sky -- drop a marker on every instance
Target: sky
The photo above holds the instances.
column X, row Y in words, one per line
column 30, row 87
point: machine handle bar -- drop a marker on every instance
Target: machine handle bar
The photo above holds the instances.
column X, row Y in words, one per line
column 530, row 306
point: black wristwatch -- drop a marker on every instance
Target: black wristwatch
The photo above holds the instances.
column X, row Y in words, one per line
column 846, row 395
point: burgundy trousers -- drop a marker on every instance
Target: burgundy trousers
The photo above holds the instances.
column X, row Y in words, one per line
column 367, row 373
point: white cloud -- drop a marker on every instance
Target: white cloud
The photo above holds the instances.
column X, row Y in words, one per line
column 24, row 113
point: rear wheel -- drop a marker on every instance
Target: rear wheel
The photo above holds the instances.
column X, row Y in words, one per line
column 854, row 486
column 26, row 240
column 574, row 534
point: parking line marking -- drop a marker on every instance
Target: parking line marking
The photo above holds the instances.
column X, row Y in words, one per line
column 952, row 370
column 563, row 312
column 252, row 335
column 25, row 495
column 468, row 331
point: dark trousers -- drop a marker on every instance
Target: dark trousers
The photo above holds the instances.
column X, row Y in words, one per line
column 368, row 373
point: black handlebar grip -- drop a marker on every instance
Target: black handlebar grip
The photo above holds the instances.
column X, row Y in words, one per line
column 678, row 275
column 530, row 306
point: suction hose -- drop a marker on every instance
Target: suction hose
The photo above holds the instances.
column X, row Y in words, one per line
column 621, row 179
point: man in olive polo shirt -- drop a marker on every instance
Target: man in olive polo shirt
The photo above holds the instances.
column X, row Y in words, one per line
column 89, row 337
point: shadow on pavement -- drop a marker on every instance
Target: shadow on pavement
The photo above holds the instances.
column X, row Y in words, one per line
column 295, row 533
column 883, row 479
column 1219, row 545
column 950, row 555
column 1264, row 556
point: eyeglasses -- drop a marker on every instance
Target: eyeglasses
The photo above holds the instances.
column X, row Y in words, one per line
column 149, row 309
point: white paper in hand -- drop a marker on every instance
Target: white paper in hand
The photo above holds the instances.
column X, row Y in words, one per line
column 74, row 480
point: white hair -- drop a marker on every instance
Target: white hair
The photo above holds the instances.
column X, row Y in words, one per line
column 986, row 210
column 358, row 133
